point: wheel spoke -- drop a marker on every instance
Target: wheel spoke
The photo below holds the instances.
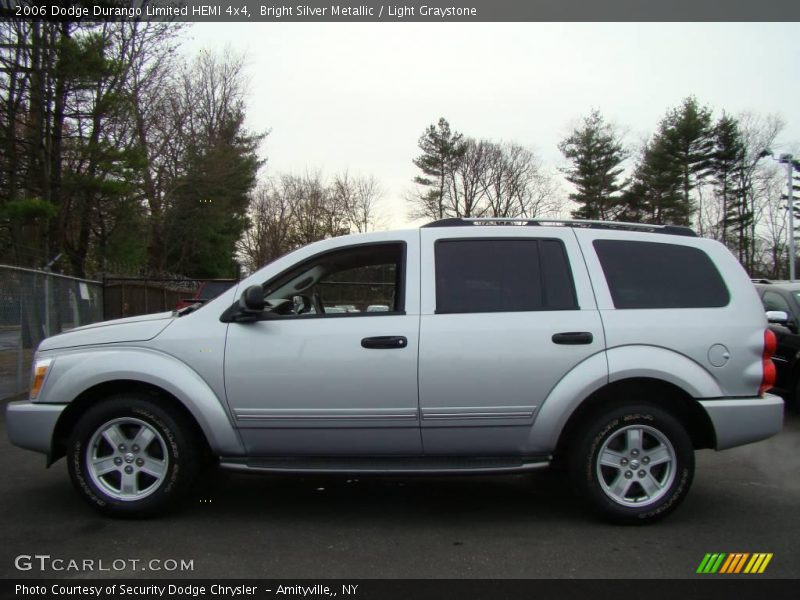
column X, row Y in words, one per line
column 144, row 437
column 609, row 458
column 659, row 455
column 154, row 468
column 129, row 483
column 114, row 436
column 103, row 466
column 650, row 485
column 633, row 439
column 621, row 486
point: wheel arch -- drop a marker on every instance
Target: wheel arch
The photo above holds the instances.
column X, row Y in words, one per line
column 644, row 390
column 90, row 397
column 146, row 371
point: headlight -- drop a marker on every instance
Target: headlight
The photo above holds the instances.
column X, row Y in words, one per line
column 38, row 375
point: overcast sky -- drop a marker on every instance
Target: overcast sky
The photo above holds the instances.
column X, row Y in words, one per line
column 357, row 96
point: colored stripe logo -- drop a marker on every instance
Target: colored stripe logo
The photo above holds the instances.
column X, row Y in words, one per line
column 734, row 563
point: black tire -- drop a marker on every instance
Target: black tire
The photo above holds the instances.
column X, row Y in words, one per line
column 634, row 484
column 159, row 474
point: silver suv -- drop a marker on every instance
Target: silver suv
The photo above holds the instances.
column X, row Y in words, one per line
column 613, row 349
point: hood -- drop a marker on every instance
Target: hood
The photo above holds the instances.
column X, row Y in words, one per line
column 130, row 329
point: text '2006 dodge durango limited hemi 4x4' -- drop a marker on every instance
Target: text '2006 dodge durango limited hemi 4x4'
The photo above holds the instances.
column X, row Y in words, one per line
column 614, row 349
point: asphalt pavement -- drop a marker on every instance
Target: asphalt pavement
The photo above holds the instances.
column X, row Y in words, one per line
column 743, row 500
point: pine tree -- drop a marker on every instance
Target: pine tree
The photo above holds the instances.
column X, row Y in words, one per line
column 673, row 163
column 597, row 154
column 441, row 151
column 654, row 196
column 689, row 134
column 209, row 215
column 727, row 164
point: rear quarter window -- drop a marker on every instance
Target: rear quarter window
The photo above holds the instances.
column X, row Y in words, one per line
column 660, row 275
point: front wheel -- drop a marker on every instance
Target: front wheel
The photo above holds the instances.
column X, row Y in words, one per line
column 131, row 456
column 632, row 464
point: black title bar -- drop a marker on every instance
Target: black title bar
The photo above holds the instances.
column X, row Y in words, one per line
column 246, row 11
column 703, row 587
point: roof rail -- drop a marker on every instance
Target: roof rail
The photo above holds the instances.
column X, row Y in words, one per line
column 761, row 280
column 647, row 227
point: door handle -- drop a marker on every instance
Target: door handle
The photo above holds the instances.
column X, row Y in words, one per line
column 573, row 338
column 384, row 342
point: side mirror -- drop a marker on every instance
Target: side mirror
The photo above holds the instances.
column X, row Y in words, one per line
column 252, row 299
column 778, row 317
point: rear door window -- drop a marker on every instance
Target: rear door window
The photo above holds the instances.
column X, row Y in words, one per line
column 507, row 275
column 660, row 275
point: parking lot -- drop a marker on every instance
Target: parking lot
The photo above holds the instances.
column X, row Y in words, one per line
column 743, row 500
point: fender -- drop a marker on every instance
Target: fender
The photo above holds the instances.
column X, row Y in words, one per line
column 584, row 379
column 654, row 362
column 71, row 377
column 616, row 364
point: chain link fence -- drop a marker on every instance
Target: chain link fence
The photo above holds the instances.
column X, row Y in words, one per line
column 34, row 305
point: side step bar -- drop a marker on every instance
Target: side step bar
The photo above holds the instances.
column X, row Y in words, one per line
column 386, row 465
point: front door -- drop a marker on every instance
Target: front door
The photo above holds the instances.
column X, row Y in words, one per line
column 334, row 371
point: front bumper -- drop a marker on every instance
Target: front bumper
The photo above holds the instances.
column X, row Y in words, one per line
column 31, row 424
column 744, row 420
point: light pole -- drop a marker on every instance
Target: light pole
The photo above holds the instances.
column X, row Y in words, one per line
column 790, row 163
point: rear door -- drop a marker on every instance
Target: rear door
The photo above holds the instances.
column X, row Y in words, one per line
column 506, row 312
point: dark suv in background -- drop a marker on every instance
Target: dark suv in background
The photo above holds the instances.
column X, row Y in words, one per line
column 781, row 301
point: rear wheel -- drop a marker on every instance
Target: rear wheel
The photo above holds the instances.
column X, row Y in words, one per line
column 131, row 456
column 633, row 464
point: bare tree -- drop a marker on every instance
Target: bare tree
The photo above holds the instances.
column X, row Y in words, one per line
column 358, row 197
column 158, row 114
column 773, row 227
column 317, row 213
column 756, row 176
column 710, row 213
column 492, row 179
column 290, row 211
column 516, row 184
column 270, row 233
column 464, row 194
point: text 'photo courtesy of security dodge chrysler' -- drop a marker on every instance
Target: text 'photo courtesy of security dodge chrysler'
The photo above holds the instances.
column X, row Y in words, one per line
column 500, row 346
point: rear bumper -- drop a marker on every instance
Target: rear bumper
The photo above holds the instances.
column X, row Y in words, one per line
column 30, row 425
column 744, row 420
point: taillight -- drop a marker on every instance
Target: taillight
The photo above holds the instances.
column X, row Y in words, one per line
column 768, row 378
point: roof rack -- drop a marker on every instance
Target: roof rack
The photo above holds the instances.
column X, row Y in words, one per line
column 646, row 227
column 761, row 280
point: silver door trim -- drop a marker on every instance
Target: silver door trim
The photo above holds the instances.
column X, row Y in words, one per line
column 433, row 414
column 267, row 414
